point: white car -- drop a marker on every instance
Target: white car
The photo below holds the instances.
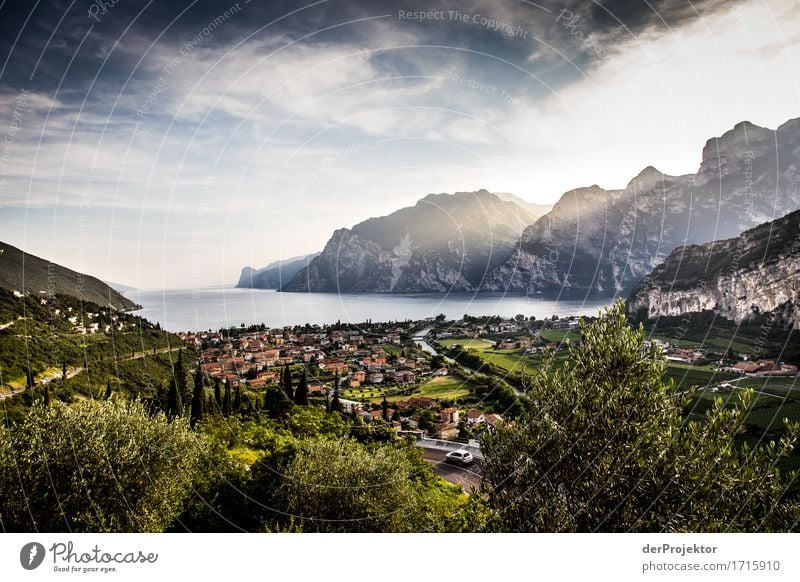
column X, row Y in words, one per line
column 459, row 457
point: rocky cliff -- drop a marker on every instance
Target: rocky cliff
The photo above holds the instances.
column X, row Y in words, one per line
column 606, row 241
column 274, row 275
column 754, row 274
column 446, row 242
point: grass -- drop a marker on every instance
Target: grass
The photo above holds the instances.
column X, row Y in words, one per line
column 778, row 386
column 392, row 349
column 558, row 336
column 468, row 343
column 772, row 418
column 439, row 387
column 686, row 375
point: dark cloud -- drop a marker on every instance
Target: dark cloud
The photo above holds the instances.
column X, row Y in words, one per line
column 99, row 42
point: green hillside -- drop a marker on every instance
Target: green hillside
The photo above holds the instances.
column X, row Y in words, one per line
column 27, row 273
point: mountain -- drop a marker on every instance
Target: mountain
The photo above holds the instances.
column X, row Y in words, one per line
column 274, row 275
column 754, row 274
column 446, row 242
column 605, row 241
column 535, row 210
column 23, row 272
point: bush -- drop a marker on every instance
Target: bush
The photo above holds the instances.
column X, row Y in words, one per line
column 604, row 447
column 98, row 466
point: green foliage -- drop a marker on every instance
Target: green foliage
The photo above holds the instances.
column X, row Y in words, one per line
column 197, row 398
column 301, row 394
column 286, row 382
column 97, row 466
column 338, row 485
column 276, row 402
column 604, row 448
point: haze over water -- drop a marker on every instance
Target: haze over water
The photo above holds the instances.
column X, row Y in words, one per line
column 213, row 308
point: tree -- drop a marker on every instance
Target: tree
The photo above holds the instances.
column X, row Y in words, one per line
column 276, row 403
column 237, row 398
column 226, row 400
column 217, row 396
column 196, row 412
column 29, row 380
column 47, row 394
column 108, row 389
column 174, row 403
column 385, row 409
column 301, row 394
column 111, row 467
column 605, row 447
column 287, row 382
column 180, row 376
column 336, row 406
column 338, row 485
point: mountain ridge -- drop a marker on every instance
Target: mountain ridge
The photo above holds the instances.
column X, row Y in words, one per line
column 26, row 273
column 739, row 278
column 439, row 244
column 605, row 241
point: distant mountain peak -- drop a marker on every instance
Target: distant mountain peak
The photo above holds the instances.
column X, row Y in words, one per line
column 646, row 179
column 606, row 240
column 444, row 242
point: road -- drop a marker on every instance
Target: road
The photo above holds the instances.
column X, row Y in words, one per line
column 469, row 477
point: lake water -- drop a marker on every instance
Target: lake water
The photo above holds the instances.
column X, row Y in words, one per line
column 213, row 308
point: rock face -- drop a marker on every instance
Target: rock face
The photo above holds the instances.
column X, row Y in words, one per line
column 606, row 241
column 274, row 275
column 754, row 274
column 27, row 273
column 446, row 242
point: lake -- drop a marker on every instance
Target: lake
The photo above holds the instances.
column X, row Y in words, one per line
column 216, row 307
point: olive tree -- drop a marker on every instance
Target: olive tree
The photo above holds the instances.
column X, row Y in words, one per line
column 97, row 466
column 606, row 445
column 339, row 485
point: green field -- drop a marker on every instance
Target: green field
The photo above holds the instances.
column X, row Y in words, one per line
column 558, row 336
column 392, row 349
column 468, row 343
column 687, row 375
column 780, row 386
column 449, row 387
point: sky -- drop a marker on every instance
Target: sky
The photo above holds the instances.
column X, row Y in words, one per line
column 168, row 144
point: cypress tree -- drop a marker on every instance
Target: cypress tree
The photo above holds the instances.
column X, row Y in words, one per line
column 287, row 382
column 226, row 400
column 301, row 394
column 237, row 399
column 29, row 381
column 197, row 395
column 108, row 389
column 336, row 406
column 174, row 406
column 63, row 372
column 217, row 395
column 180, row 375
column 385, row 409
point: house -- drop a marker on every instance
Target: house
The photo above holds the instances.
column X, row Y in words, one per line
column 745, row 368
column 449, row 415
column 351, row 406
column 493, row 420
column 475, row 417
column 446, row 431
column 422, row 402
